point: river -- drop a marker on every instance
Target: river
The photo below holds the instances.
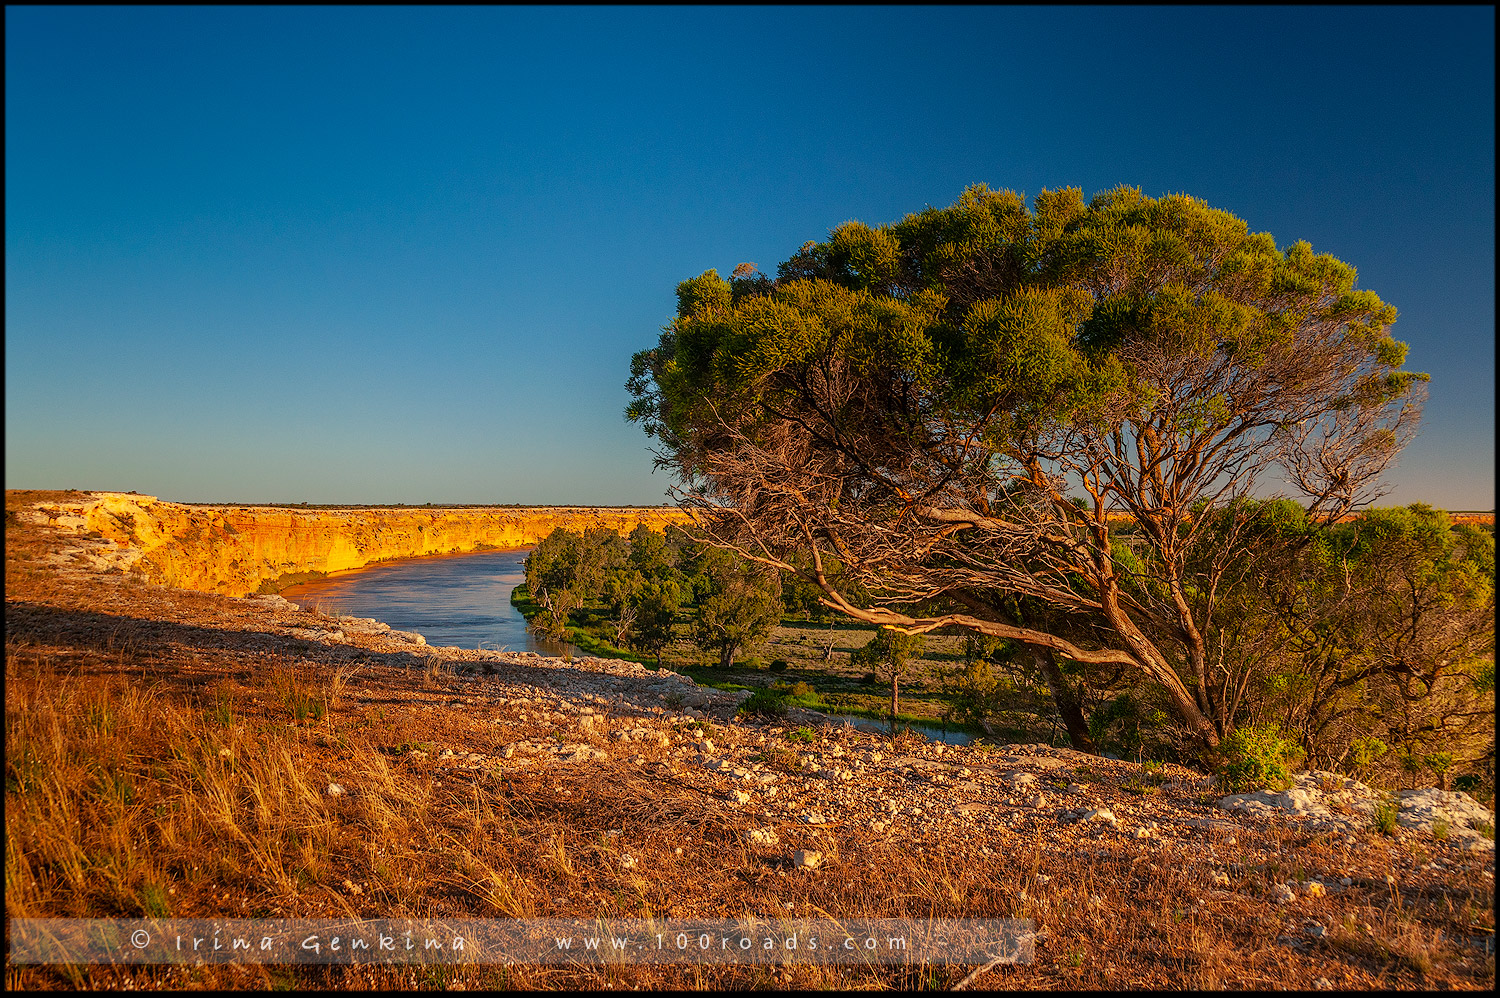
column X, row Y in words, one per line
column 461, row 600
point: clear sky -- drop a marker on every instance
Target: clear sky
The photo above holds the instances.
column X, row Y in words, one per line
column 404, row 255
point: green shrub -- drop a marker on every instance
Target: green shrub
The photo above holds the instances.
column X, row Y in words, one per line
column 1256, row 756
column 768, row 702
column 1364, row 751
column 779, row 665
column 976, row 693
column 1440, row 763
column 1385, row 817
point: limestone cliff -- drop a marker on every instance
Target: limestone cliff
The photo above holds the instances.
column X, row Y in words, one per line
column 236, row 550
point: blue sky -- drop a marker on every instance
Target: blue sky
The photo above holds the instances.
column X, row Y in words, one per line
column 405, row 255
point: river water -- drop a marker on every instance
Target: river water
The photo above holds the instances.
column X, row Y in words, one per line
column 461, row 600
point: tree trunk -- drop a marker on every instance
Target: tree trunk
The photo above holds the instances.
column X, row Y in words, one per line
column 726, row 654
column 894, row 684
column 1157, row 668
column 1065, row 697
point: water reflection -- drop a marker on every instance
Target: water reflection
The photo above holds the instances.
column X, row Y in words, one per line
column 461, row 600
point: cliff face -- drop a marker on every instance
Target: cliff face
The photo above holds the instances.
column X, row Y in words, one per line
column 236, row 550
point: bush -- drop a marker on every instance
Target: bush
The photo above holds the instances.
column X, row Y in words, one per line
column 1385, row 817
column 779, row 665
column 977, row 693
column 798, row 694
column 768, row 702
column 1256, row 756
column 1364, row 751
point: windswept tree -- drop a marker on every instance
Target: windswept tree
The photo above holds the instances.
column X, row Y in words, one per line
column 987, row 406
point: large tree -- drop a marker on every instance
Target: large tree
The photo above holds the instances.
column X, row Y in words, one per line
column 990, row 405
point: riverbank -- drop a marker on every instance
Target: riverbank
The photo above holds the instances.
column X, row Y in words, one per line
column 283, row 763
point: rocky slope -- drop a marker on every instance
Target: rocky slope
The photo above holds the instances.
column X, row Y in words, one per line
column 236, row 550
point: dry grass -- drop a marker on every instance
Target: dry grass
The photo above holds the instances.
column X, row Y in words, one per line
column 127, row 797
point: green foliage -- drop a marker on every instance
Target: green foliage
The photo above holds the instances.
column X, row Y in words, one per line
column 739, row 604
column 654, row 607
column 1359, row 635
column 1255, row 757
column 155, row 902
column 888, row 652
column 775, row 700
column 1131, row 723
column 1363, row 752
column 1440, row 763
column 800, row 690
column 778, row 665
column 1384, row 819
column 1484, row 678
column 975, row 693
column 768, row 702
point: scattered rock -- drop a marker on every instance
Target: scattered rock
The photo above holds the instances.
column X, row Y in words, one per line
column 1103, row 815
column 334, row 790
column 579, row 753
column 807, row 859
column 762, row 837
column 1328, row 800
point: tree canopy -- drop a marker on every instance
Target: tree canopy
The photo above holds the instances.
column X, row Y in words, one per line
column 1018, row 420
